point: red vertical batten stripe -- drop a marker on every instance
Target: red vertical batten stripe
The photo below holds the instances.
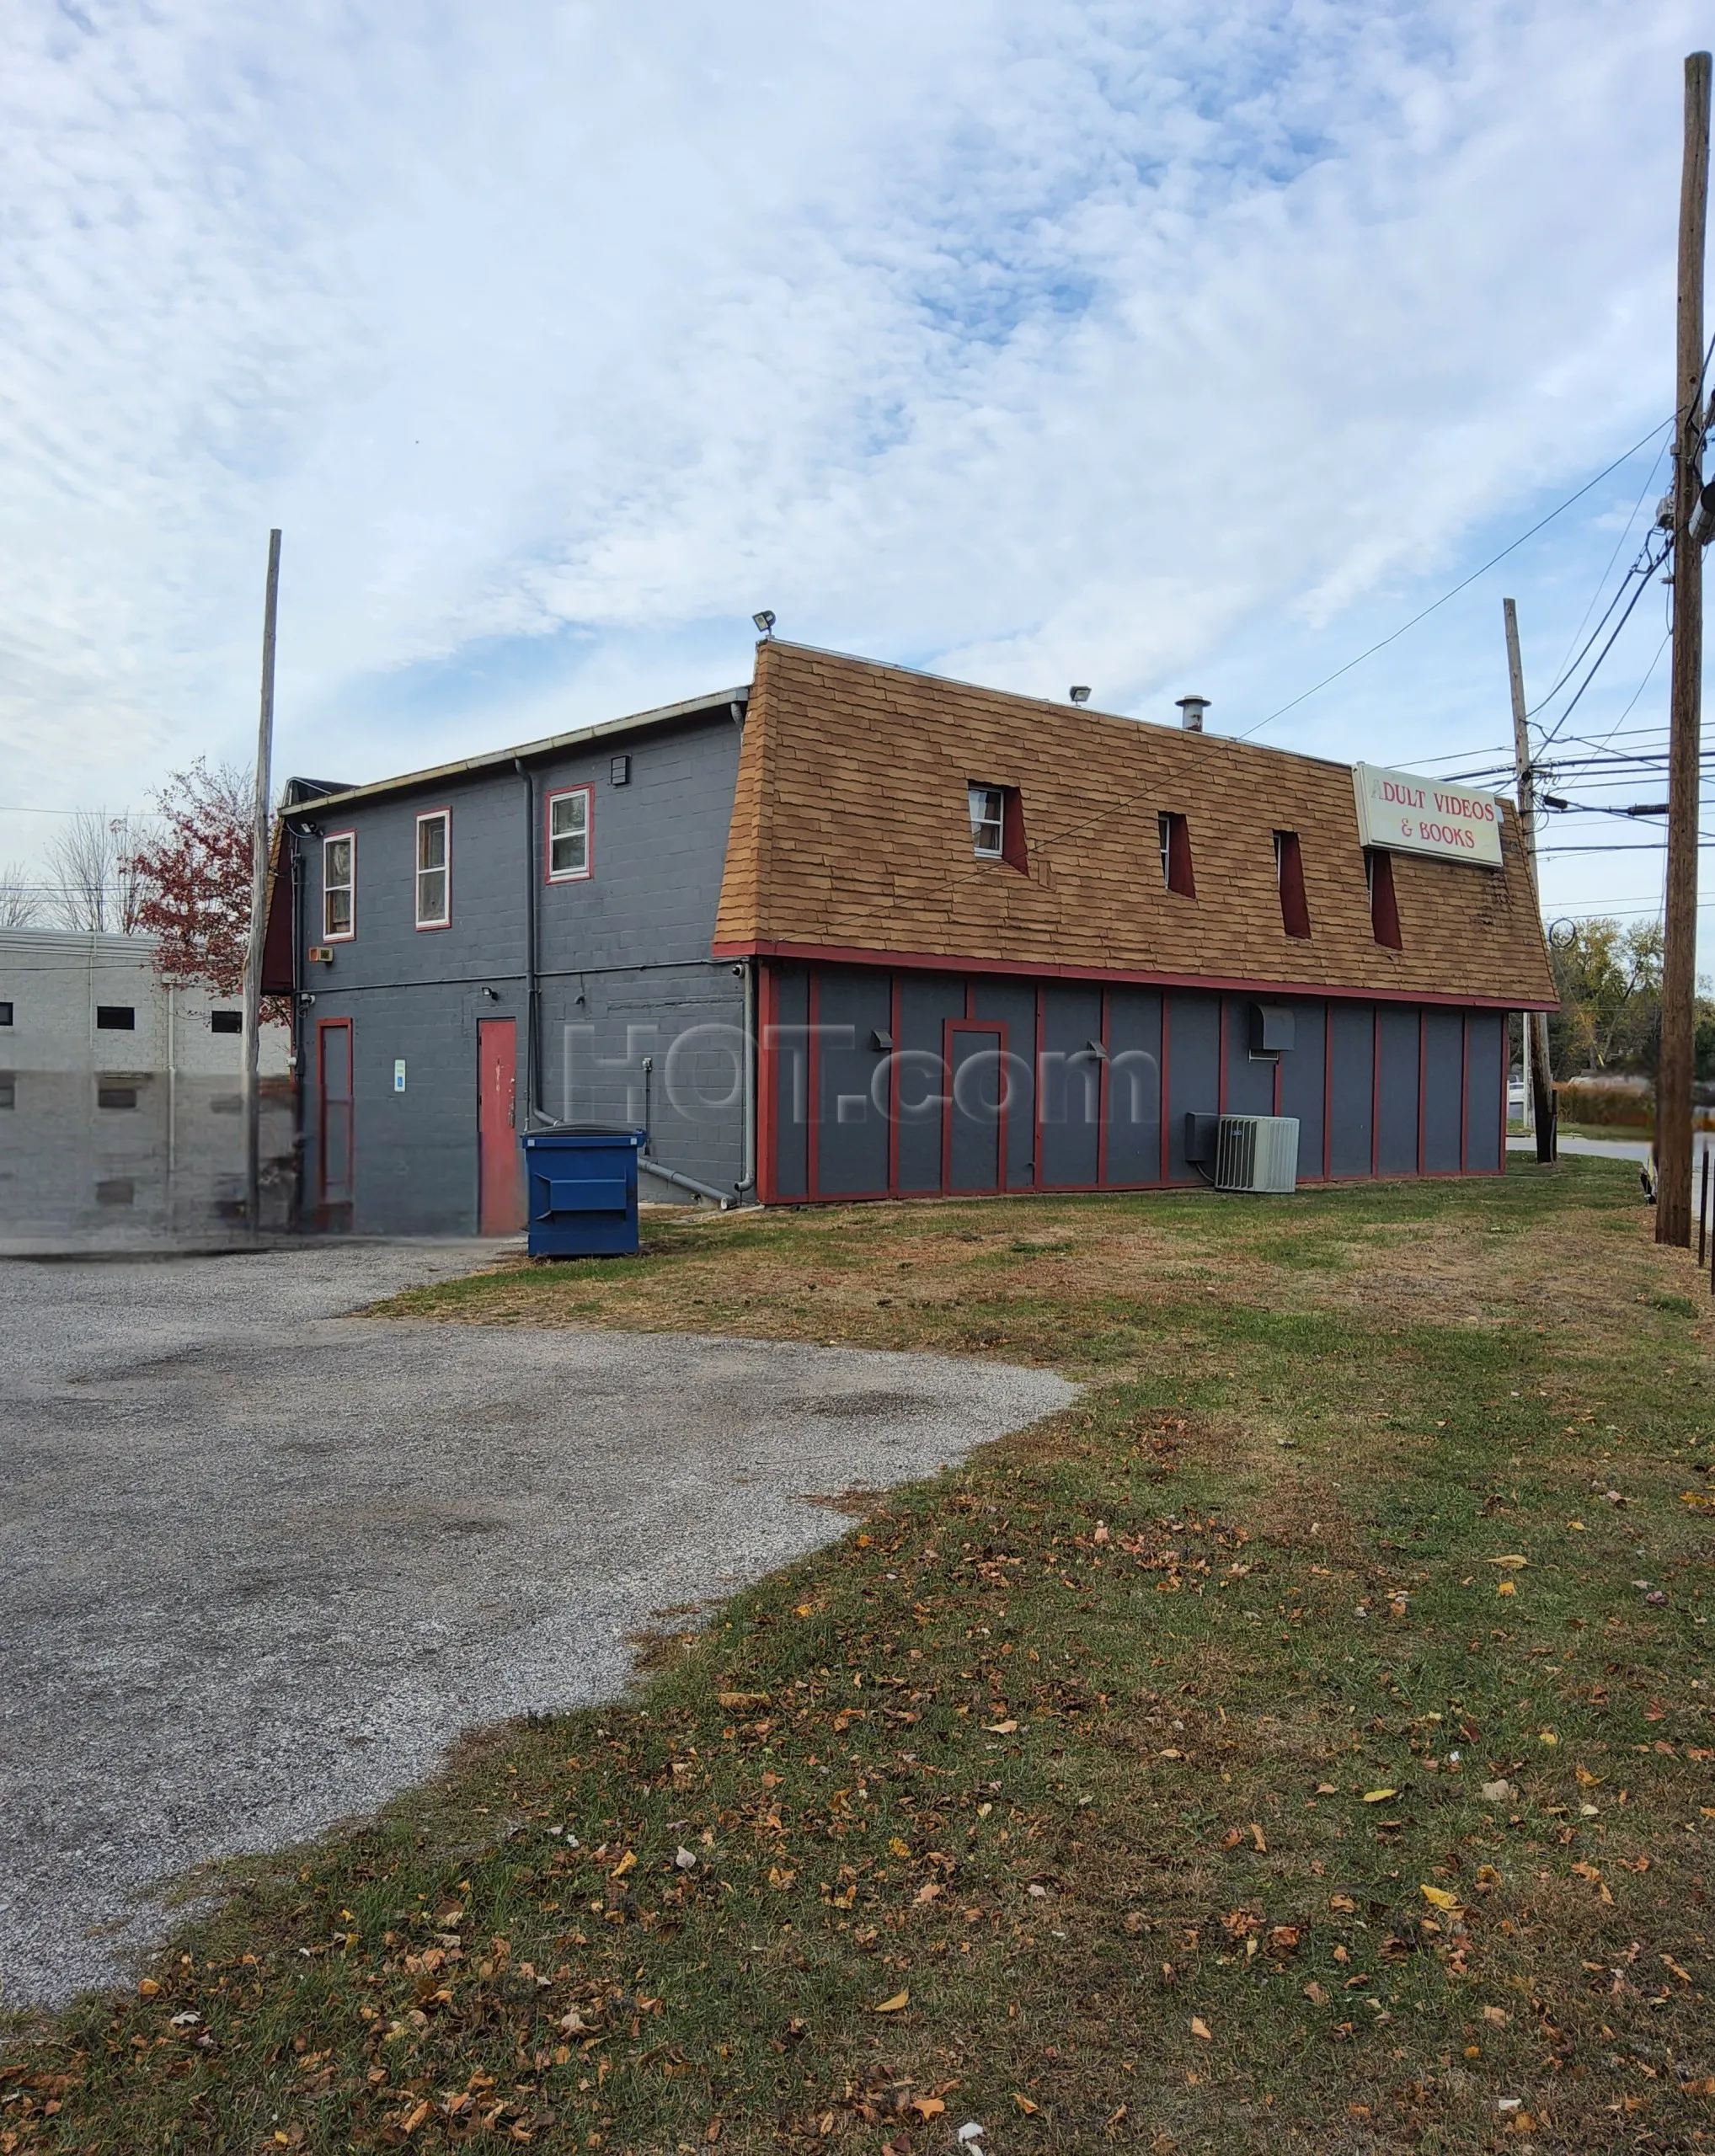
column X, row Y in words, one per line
column 813, row 1087
column 896, row 1008
column 1103, row 1100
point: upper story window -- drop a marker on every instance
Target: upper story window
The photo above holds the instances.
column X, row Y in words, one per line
column 115, row 1018
column 1288, row 875
column 1384, row 907
column 339, row 887
column 997, row 825
column 1175, row 835
column 435, row 868
column 988, row 821
column 226, row 1021
column 5, row 1014
column 569, row 834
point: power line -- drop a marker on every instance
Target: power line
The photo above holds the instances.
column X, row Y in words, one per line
column 1462, row 585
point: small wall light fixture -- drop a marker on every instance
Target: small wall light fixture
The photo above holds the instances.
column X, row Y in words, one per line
column 1080, row 694
column 765, row 622
column 1191, row 711
column 491, row 995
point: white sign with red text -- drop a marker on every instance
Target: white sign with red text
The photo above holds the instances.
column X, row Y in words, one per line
column 1409, row 814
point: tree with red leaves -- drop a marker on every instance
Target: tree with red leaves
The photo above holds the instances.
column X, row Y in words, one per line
column 194, row 878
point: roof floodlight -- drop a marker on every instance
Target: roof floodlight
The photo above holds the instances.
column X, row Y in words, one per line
column 1079, row 695
column 765, row 622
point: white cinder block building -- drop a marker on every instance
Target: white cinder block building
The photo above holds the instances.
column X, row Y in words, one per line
column 121, row 1109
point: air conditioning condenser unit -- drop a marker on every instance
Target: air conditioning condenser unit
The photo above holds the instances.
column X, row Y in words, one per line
column 1257, row 1152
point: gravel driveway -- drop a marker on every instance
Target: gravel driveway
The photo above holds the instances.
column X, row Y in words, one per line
column 261, row 1561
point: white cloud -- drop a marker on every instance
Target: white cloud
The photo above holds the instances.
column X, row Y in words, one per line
column 1041, row 341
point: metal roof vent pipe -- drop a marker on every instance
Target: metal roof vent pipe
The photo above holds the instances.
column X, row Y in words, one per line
column 1191, row 711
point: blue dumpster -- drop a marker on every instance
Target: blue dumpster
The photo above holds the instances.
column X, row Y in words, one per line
column 582, row 1192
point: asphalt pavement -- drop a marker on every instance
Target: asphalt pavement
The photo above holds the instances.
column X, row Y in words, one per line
column 261, row 1560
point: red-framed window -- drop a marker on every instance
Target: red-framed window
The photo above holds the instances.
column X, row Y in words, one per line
column 997, row 824
column 339, row 887
column 568, row 842
column 435, row 868
column 1175, row 835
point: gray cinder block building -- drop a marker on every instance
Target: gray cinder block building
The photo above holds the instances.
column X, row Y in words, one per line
column 848, row 931
column 120, row 1113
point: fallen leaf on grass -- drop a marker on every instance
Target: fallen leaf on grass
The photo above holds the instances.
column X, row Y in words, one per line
column 1515, row 1563
column 1379, row 1795
column 627, row 1863
column 1257, row 1837
column 1199, row 2029
column 900, row 1999
column 999, row 1728
column 1497, row 2015
column 1438, row 1897
column 411, row 2124
column 1500, row 1792
column 147, row 1988
column 1315, row 1993
column 1024, row 2105
column 1506, row 1587
column 739, row 1699
column 927, row 1893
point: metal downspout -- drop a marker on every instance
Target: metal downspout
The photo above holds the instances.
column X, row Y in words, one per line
column 532, row 995
column 747, row 1181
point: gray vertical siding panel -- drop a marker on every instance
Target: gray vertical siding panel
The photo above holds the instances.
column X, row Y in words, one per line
column 792, row 1068
column 1351, row 1089
column 1303, row 1075
column 926, row 1000
column 1397, row 1090
column 1013, row 1004
column 1071, row 1088
column 1444, row 1083
column 1250, row 1081
column 1485, row 1085
column 1134, row 1087
column 1194, row 1073
column 851, row 1131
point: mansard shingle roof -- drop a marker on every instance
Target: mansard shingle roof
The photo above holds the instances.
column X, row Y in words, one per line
column 851, row 835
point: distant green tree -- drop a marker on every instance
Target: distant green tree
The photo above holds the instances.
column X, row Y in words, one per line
column 1609, row 984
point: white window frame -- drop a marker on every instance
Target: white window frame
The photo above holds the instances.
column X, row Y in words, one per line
column 444, row 870
column 330, row 934
column 579, row 875
column 979, row 798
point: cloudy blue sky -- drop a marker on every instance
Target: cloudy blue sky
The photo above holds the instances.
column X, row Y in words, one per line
column 1192, row 345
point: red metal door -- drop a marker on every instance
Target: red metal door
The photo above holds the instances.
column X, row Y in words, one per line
column 333, row 1091
column 500, row 1177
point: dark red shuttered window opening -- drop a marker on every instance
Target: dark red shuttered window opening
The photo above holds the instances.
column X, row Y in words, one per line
column 1288, row 874
column 1383, row 909
column 1176, row 854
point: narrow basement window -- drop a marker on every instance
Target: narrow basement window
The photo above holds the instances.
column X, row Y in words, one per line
column 115, row 1096
column 5, row 1014
column 8, row 1090
column 1176, row 854
column 115, row 1018
column 1289, row 876
column 1384, row 908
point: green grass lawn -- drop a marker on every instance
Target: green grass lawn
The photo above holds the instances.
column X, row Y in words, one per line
column 1302, row 1743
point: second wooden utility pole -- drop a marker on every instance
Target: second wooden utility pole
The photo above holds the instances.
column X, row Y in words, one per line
column 259, row 901
column 1535, row 1028
column 1679, row 966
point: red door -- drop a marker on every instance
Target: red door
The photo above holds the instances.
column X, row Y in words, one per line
column 500, row 1178
column 334, row 1153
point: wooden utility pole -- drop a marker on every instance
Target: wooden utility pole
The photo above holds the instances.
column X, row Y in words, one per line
column 259, row 900
column 1678, row 968
column 1538, row 1072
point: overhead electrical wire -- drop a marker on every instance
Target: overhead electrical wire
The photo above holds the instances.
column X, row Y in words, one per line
column 1464, row 583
